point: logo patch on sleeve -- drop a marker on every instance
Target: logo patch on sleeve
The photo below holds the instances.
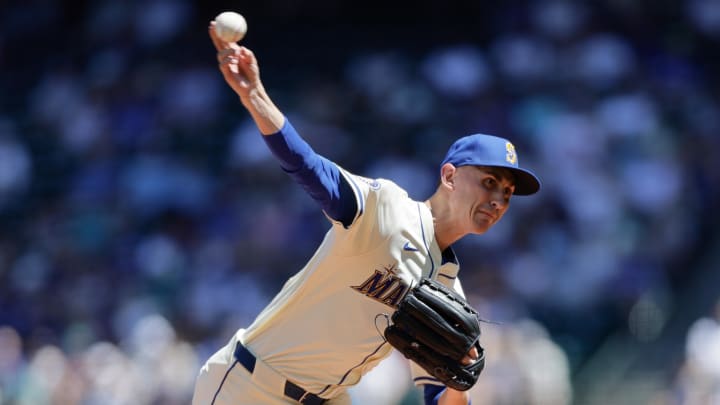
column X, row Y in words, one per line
column 374, row 184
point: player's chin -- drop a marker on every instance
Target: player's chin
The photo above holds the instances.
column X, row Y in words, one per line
column 482, row 225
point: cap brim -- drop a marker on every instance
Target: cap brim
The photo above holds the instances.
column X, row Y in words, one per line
column 526, row 183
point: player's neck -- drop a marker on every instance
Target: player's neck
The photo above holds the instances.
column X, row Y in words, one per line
column 446, row 233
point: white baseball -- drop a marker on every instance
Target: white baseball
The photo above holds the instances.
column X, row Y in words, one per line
column 230, row 26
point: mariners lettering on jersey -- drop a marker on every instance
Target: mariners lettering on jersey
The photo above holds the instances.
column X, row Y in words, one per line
column 384, row 286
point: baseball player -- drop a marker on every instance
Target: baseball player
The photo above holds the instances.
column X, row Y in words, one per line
column 321, row 333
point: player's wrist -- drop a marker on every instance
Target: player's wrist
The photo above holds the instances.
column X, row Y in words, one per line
column 268, row 118
column 454, row 397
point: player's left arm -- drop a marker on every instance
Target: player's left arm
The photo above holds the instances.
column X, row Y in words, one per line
column 435, row 394
column 441, row 395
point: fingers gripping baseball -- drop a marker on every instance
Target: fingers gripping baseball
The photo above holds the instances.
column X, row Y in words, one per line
column 240, row 70
column 237, row 64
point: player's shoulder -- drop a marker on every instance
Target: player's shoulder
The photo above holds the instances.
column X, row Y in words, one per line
column 385, row 187
column 375, row 185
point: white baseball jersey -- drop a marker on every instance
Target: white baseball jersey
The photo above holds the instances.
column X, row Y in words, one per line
column 323, row 330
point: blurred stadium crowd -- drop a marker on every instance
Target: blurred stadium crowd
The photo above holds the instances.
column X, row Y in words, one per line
column 143, row 220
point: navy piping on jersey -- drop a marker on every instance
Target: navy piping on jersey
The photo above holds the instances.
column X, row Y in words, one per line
column 223, row 381
column 427, row 380
column 353, row 368
column 427, row 249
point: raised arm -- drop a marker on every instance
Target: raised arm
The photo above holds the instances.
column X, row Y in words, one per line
column 320, row 177
column 241, row 72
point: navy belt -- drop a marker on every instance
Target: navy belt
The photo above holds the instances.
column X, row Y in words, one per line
column 292, row 390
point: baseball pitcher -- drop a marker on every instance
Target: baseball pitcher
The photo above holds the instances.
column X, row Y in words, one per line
column 386, row 260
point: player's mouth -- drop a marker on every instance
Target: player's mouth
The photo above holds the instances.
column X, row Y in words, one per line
column 487, row 214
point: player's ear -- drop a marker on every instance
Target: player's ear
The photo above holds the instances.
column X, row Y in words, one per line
column 447, row 175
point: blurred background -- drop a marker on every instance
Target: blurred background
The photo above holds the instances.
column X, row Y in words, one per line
column 143, row 220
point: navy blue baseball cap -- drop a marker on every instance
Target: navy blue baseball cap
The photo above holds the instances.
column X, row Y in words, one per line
column 488, row 150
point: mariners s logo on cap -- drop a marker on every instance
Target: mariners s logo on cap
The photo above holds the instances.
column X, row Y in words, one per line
column 511, row 156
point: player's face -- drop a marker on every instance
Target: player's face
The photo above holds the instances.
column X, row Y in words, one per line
column 483, row 194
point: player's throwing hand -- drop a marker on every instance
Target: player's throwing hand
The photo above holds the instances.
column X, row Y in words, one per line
column 237, row 64
column 239, row 67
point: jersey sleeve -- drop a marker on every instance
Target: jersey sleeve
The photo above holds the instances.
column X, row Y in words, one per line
column 364, row 191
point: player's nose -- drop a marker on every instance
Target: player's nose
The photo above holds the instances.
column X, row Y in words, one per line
column 497, row 205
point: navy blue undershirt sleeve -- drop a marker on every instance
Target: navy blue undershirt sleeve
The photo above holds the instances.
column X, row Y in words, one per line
column 432, row 393
column 320, row 177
